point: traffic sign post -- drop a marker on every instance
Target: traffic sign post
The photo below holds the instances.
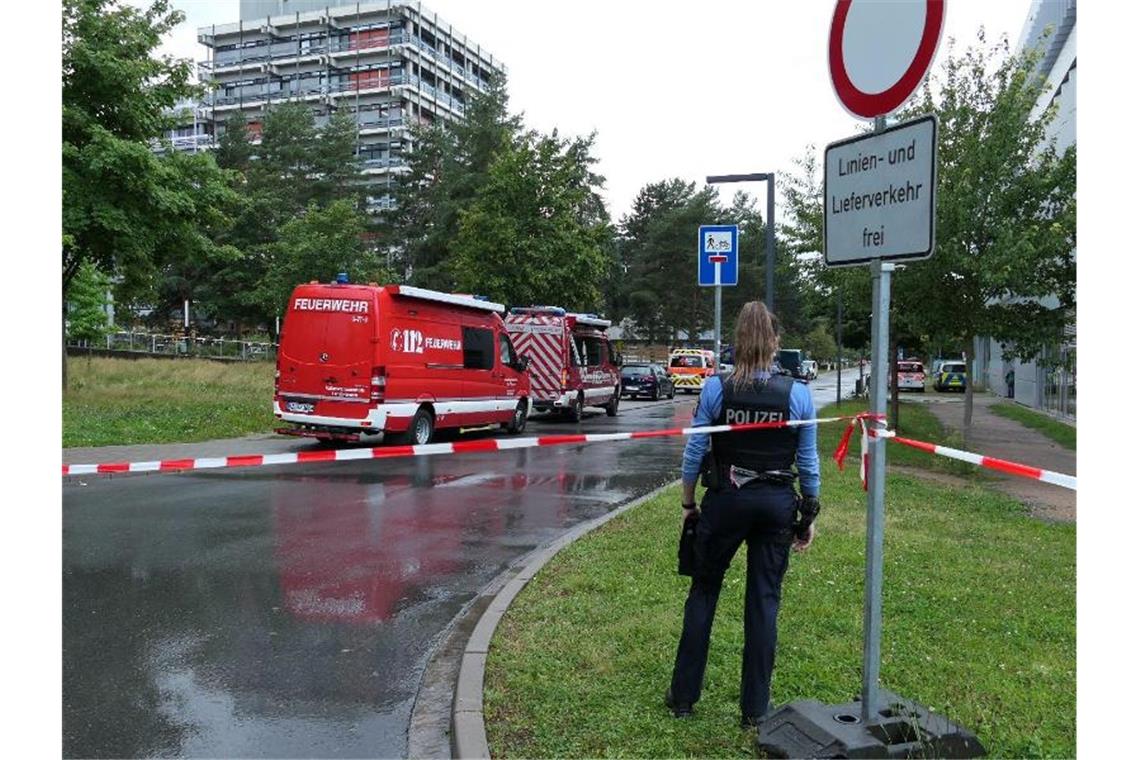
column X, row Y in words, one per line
column 878, row 208
column 717, row 266
column 878, row 193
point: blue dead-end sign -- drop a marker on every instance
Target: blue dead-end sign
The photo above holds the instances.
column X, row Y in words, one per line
column 717, row 259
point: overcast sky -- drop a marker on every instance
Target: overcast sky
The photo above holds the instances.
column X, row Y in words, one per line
column 672, row 89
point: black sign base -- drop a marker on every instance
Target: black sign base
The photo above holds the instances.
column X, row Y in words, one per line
column 902, row 728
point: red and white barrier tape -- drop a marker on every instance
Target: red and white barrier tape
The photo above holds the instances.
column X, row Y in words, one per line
column 390, row 452
column 505, row 444
column 840, row 455
column 991, row 463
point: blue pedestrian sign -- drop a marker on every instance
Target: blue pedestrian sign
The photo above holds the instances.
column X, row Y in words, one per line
column 716, row 264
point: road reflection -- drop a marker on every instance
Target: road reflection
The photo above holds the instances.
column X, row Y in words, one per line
column 288, row 613
column 357, row 549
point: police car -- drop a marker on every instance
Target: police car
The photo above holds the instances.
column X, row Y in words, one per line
column 951, row 376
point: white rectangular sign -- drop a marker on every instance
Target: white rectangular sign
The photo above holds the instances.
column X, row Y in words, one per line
column 878, row 195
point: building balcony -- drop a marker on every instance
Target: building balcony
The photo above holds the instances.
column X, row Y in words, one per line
column 379, row 126
column 193, row 143
column 252, row 100
column 184, row 143
column 341, row 47
column 378, row 205
column 437, row 94
column 373, row 166
column 233, row 66
column 447, row 63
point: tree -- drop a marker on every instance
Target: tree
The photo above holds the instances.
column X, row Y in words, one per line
column 317, row 246
column 819, row 343
column 449, row 165
column 537, row 231
column 1006, row 219
column 296, row 171
column 658, row 249
column 115, row 189
column 87, row 307
column 235, row 149
column 662, row 271
column 123, row 204
column 191, row 249
column 822, row 287
column 634, row 292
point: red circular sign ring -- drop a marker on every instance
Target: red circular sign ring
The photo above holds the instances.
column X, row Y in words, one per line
column 869, row 105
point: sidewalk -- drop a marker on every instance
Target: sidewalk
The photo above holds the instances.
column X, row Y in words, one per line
column 256, row 443
column 1006, row 439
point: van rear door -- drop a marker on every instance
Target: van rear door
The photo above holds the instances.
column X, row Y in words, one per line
column 542, row 339
column 326, row 351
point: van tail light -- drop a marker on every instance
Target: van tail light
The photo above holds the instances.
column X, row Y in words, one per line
column 379, row 381
column 565, row 376
column 276, row 381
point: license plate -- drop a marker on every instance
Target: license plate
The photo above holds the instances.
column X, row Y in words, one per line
column 300, row 407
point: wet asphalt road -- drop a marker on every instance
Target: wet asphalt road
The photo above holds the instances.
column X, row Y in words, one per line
column 289, row 611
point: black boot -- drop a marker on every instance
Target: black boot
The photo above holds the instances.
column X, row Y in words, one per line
column 748, row 722
column 680, row 709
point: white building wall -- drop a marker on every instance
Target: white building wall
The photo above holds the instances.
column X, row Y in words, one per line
column 1059, row 68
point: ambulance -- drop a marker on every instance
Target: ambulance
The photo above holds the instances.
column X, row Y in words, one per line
column 690, row 367
column 395, row 362
column 572, row 364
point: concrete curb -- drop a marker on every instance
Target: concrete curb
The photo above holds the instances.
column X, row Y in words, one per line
column 468, row 729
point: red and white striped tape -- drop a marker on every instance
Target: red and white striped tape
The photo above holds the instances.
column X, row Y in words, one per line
column 991, row 463
column 505, row 444
column 390, row 452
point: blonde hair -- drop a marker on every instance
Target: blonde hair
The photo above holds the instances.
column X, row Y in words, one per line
column 754, row 342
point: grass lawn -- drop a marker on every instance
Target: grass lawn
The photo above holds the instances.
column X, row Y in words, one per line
column 124, row 401
column 979, row 624
column 1066, row 435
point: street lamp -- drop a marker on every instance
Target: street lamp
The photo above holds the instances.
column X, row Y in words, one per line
column 770, row 178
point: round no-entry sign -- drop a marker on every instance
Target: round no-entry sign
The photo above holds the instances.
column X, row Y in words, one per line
column 879, row 50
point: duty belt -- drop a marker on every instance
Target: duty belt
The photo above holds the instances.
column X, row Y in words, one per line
column 741, row 476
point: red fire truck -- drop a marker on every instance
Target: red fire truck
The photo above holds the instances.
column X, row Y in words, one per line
column 572, row 364
column 368, row 360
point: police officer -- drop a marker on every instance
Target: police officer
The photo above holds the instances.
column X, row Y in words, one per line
column 750, row 500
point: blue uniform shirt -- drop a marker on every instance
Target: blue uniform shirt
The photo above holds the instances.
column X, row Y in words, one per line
column 800, row 406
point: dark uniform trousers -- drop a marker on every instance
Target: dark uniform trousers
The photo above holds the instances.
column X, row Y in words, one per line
column 761, row 515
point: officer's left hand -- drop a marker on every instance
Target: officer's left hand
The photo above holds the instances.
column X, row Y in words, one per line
column 687, row 513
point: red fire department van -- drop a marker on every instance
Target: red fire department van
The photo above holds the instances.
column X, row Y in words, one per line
column 572, row 364
column 397, row 361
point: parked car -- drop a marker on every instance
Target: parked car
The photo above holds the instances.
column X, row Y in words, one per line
column 810, row 369
column 912, row 376
column 646, row 380
column 572, row 364
column 951, row 377
column 791, row 361
column 395, row 361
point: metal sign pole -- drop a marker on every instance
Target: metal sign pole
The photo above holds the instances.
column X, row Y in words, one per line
column 770, row 230
column 716, row 320
column 839, row 352
column 873, row 576
column 876, row 485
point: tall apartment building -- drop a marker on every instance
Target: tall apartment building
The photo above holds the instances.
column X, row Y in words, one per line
column 1051, row 26
column 390, row 64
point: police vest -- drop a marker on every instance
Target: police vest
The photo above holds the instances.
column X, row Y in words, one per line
column 763, row 449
